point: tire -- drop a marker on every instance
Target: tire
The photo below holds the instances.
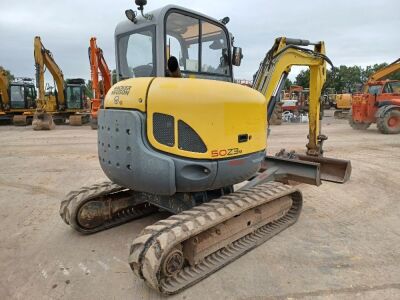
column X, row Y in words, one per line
column 357, row 125
column 389, row 123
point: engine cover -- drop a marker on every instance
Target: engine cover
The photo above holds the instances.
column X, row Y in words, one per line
column 128, row 159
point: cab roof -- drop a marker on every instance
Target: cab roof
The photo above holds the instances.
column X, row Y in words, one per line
column 158, row 17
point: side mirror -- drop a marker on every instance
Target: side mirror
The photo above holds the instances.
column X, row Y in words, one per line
column 237, row 56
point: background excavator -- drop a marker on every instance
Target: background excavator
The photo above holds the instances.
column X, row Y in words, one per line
column 17, row 100
column 343, row 105
column 179, row 135
column 68, row 101
column 379, row 103
column 98, row 66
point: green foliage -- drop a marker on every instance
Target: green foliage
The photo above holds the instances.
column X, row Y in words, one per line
column 303, row 78
column 9, row 75
column 88, row 89
column 114, row 76
column 288, row 83
column 345, row 78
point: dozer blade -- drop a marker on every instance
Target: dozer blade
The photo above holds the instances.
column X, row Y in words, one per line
column 42, row 121
column 331, row 169
column 181, row 250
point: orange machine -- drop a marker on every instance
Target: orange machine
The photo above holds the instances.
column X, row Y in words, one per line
column 379, row 103
column 300, row 95
column 98, row 63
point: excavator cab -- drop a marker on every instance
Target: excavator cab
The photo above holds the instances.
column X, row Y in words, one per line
column 173, row 40
column 17, row 100
column 75, row 97
column 22, row 95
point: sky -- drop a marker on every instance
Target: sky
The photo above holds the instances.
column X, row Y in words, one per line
column 355, row 32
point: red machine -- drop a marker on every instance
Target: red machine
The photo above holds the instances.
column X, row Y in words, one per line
column 98, row 63
column 379, row 103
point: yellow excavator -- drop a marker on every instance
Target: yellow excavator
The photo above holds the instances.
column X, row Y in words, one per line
column 176, row 134
column 343, row 105
column 17, row 100
column 67, row 102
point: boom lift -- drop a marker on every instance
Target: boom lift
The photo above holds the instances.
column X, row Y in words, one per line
column 69, row 100
column 17, row 100
column 379, row 103
column 98, row 63
column 182, row 144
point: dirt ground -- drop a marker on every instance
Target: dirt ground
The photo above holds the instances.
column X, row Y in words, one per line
column 345, row 244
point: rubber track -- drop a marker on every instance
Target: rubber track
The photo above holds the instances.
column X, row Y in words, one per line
column 155, row 242
column 75, row 199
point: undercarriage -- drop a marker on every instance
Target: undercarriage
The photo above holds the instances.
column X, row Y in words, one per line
column 207, row 230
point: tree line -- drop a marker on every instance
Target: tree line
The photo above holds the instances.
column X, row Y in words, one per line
column 343, row 79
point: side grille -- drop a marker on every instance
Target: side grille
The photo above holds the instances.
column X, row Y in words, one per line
column 189, row 140
column 163, row 129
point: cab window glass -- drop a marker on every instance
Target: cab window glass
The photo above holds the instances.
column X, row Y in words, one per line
column 395, row 87
column 30, row 97
column 199, row 46
column 136, row 54
column 17, row 93
column 374, row 89
column 183, row 41
column 74, row 97
column 214, row 54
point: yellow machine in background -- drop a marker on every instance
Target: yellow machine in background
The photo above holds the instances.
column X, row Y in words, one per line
column 343, row 106
column 69, row 100
column 178, row 135
column 17, row 100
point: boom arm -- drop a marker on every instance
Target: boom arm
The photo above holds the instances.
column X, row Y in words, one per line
column 386, row 71
column 44, row 58
column 97, row 62
column 94, row 68
column 4, row 89
column 270, row 79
